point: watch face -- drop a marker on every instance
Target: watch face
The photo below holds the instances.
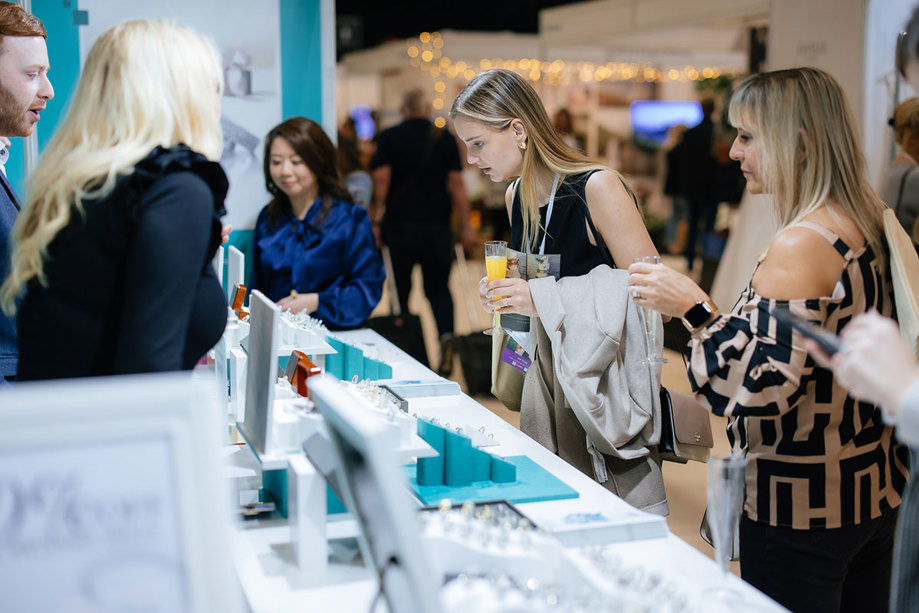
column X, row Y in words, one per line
column 697, row 315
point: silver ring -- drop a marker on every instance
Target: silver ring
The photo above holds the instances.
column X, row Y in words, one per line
column 636, row 293
column 507, row 303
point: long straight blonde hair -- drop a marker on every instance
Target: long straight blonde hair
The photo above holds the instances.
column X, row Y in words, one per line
column 144, row 84
column 809, row 148
column 497, row 97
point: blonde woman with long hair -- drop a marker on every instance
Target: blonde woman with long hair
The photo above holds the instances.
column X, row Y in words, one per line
column 566, row 205
column 824, row 473
column 113, row 246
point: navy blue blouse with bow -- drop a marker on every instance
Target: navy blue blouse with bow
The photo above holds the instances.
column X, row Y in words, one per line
column 336, row 258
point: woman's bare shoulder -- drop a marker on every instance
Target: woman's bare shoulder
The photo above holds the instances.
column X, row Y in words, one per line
column 799, row 264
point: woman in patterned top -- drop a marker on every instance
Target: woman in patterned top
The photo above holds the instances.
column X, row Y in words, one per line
column 824, row 473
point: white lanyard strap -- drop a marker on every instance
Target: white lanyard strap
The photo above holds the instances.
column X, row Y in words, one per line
column 542, row 245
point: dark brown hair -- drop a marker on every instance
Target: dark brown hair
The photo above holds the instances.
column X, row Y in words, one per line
column 16, row 21
column 310, row 142
column 349, row 155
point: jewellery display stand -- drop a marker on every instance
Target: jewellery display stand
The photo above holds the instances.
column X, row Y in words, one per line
column 277, row 420
column 303, row 333
column 351, row 360
column 532, row 484
column 306, row 513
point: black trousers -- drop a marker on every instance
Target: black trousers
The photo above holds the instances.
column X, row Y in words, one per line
column 904, row 595
column 816, row 571
column 705, row 212
column 432, row 247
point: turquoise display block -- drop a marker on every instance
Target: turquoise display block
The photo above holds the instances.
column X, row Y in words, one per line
column 371, row 369
column 354, row 363
column 335, row 362
column 431, row 470
column 275, row 483
column 384, row 370
column 533, row 484
column 274, row 486
column 502, row 471
column 333, row 502
column 457, row 460
column 481, row 465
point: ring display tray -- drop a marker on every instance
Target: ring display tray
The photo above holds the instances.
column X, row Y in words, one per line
column 533, row 484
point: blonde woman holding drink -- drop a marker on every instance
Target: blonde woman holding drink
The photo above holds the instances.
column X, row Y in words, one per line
column 564, row 205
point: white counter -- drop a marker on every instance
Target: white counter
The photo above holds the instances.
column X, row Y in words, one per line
column 272, row 581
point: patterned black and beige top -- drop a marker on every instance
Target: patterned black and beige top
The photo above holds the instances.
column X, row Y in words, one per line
column 816, row 457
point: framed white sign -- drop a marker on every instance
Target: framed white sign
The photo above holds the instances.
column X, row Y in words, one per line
column 111, row 497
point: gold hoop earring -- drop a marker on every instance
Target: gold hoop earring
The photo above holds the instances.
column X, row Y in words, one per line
column 523, row 145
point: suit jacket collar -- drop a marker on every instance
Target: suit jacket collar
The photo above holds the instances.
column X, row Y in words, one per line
column 10, row 192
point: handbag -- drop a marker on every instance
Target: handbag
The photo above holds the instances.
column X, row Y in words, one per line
column 509, row 365
column 686, row 430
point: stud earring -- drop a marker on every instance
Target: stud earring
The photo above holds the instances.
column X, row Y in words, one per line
column 523, row 145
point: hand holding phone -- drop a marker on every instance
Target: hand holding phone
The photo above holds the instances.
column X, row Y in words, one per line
column 829, row 342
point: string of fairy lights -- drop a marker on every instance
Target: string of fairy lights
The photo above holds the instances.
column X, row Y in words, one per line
column 427, row 54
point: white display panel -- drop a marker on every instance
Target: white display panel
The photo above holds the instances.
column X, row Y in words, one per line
column 236, row 269
column 261, row 371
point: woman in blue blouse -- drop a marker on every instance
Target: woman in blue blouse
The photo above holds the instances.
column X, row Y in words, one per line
column 314, row 249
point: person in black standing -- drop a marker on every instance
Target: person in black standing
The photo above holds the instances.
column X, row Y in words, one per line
column 417, row 179
column 697, row 177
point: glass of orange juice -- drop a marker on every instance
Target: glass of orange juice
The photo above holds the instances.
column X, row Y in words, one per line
column 496, row 268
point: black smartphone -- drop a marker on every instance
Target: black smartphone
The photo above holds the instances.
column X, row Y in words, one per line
column 829, row 342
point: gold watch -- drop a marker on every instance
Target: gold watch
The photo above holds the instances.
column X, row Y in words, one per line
column 699, row 315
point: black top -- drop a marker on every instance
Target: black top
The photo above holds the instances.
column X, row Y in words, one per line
column 420, row 157
column 567, row 228
column 130, row 287
column 697, row 164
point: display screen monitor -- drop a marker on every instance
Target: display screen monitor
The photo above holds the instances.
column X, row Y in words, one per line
column 364, row 124
column 374, row 488
column 650, row 119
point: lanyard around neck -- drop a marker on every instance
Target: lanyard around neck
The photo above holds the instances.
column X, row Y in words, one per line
column 542, row 245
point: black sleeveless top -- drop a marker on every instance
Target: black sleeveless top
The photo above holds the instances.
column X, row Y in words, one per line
column 567, row 232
